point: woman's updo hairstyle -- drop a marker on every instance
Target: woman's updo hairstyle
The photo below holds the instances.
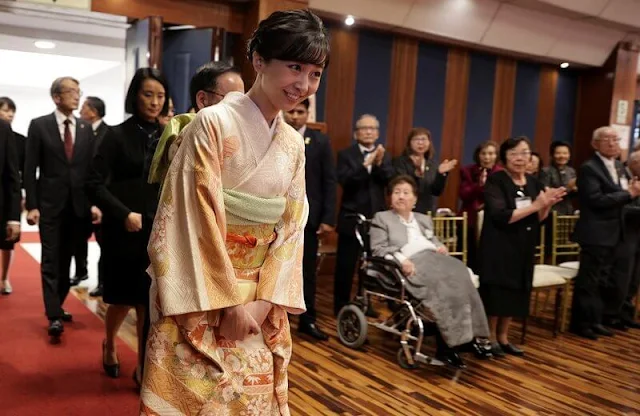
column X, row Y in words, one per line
column 292, row 35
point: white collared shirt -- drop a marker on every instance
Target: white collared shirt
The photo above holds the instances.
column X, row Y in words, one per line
column 96, row 124
column 610, row 164
column 364, row 149
column 60, row 118
column 416, row 240
column 303, row 130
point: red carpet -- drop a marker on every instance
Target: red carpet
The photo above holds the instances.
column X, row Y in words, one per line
column 37, row 378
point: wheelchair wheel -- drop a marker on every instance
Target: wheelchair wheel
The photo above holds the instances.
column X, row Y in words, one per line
column 352, row 326
column 402, row 359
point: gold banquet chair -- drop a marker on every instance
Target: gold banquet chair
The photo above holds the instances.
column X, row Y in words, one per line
column 561, row 244
column 547, row 278
column 452, row 231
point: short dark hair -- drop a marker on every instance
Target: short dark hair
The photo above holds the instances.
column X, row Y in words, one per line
column 140, row 76
column 207, row 77
column 417, row 131
column 97, row 104
column 306, row 103
column 291, row 35
column 8, row 102
column 403, row 179
column 481, row 147
column 509, row 144
column 557, row 143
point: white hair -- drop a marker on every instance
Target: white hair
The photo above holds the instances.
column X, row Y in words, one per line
column 367, row 116
column 600, row 131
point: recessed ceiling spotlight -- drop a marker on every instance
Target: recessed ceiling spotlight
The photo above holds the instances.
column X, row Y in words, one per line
column 564, row 65
column 349, row 21
column 44, row 44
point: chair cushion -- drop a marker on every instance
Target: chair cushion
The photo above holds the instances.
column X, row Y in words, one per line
column 475, row 279
column 545, row 275
column 570, row 265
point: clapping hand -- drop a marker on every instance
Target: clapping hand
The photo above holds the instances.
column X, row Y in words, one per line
column 483, row 177
column 634, row 187
column 549, row 197
column 447, row 166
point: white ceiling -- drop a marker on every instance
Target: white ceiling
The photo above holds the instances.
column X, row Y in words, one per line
column 578, row 31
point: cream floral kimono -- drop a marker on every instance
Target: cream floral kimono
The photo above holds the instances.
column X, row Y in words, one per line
column 228, row 230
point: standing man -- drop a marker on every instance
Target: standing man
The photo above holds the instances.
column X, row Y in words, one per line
column 61, row 147
column 92, row 111
column 9, row 194
column 7, row 113
column 363, row 170
column 320, row 177
column 603, row 191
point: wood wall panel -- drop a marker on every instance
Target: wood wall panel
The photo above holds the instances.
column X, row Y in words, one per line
column 546, row 111
column 404, row 66
column 200, row 13
column 341, row 86
column 624, row 88
column 453, row 124
column 155, row 42
column 503, row 96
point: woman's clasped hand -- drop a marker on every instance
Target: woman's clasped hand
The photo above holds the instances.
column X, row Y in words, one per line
column 240, row 321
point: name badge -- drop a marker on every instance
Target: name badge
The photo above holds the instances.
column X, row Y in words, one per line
column 523, row 202
column 624, row 184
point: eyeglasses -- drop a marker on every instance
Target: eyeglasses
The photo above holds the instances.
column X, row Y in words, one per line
column 525, row 153
column 365, row 128
column 72, row 92
column 419, row 139
column 610, row 139
column 214, row 93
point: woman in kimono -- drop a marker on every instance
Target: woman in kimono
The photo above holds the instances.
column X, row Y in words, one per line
column 443, row 283
column 227, row 241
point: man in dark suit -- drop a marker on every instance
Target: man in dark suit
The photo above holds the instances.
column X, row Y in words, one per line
column 632, row 229
column 60, row 146
column 364, row 170
column 10, row 193
column 92, row 111
column 320, row 177
column 7, row 113
column 603, row 192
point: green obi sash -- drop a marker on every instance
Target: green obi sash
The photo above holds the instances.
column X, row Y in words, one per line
column 244, row 209
column 160, row 162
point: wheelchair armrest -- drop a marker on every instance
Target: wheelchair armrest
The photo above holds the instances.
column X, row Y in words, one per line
column 381, row 261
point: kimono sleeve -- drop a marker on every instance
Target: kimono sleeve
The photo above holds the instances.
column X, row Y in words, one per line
column 281, row 274
column 189, row 261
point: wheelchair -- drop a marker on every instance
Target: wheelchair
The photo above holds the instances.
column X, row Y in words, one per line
column 383, row 279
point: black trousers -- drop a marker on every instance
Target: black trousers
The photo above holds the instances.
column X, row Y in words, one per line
column 601, row 284
column 309, row 265
column 81, row 251
column 628, row 309
column 59, row 236
column 347, row 254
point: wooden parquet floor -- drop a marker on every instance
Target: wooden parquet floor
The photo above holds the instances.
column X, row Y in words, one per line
column 558, row 376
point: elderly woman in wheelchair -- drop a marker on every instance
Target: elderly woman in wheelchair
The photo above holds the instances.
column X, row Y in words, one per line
column 441, row 283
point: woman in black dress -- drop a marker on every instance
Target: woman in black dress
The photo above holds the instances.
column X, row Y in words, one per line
column 559, row 173
column 515, row 204
column 118, row 186
column 417, row 162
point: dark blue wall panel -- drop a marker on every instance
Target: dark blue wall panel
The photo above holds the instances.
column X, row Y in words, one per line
column 428, row 106
column 565, row 111
column 373, row 78
column 321, row 97
column 525, row 105
column 479, row 103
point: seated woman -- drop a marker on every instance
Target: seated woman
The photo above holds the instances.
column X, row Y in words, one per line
column 441, row 282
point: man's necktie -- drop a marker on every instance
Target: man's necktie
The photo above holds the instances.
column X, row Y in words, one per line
column 68, row 140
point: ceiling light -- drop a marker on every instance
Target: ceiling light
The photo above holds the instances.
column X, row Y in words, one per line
column 564, row 65
column 349, row 20
column 44, row 44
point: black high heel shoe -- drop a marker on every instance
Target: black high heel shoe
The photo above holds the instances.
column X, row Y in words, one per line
column 112, row 370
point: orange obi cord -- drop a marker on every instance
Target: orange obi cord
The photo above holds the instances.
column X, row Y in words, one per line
column 249, row 240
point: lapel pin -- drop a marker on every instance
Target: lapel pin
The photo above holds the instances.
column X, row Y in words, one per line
column 307, row 140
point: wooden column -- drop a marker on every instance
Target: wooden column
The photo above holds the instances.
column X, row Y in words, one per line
column 341, row 87
column 155, row 42
column 453, row 125
column 257, row 11
column 504, row 91
column 546, row 111
column 624, row 89
column 404, row 66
